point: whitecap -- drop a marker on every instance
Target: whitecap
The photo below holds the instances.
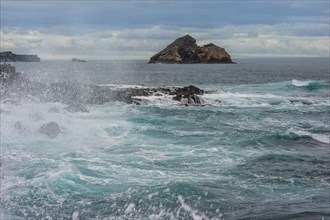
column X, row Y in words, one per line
column 124, row 86
column 298, row 83
column 317, row 137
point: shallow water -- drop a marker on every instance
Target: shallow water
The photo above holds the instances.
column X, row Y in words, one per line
column 258, row 149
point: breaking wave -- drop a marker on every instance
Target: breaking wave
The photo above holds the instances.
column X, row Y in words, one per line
column 309, row 84
column 296, row 133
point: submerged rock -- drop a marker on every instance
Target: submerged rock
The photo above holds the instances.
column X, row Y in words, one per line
column 51, row 129
column 185, row 50
column 20, row 128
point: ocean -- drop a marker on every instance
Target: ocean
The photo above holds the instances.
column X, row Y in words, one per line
column 258, row 148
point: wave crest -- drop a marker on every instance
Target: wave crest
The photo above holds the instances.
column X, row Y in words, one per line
column 301, row 133
column 309, row 84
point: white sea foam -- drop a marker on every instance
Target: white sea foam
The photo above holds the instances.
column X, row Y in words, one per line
column 130, row 208
column 123, row 86
column 318, row 137
column 298, row 83
column 75, row 215
column 195, row 133
column 220, row 97
column 216, row 99
column 194, row 214
column 161, row 99
column 242, row 99
column 23, row 122
column 119, row 152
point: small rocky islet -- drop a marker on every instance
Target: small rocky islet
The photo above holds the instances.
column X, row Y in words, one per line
column 184, row 50
column 78, row 60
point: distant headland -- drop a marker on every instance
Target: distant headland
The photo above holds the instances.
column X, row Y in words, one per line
column 8, row 56
column 185, row 50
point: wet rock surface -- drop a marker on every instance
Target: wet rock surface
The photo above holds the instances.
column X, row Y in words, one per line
column 189, row 95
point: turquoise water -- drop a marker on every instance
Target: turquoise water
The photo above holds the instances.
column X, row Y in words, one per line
column 258, row 149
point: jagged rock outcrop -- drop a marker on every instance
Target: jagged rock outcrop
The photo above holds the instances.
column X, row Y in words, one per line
column 8, row 56
column 189, row 95
column 185, row 50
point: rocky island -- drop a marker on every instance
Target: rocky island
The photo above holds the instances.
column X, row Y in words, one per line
column 185, row 50
column 8, row 56
column 77, row 60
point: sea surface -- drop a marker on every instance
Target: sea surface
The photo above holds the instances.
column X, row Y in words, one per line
column 257, row 149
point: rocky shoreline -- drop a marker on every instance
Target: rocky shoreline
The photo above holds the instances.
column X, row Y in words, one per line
column 13, row 85
column 8, row 56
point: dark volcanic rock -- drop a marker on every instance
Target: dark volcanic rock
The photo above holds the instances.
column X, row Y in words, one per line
column 50, row 129
column 189, row 90
column 185, row 50
column 8, row 56
column 189, row 95
column 77, row 60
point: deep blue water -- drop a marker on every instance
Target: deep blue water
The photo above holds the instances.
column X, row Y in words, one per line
column 259, row 149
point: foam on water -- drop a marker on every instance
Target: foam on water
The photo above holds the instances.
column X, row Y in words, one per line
column 318, row 137
column 24, row 120
column 123, row 86
column 301, row 83
column 264, row 95
column 159, row 99
column 249, row 152
column 310, row 84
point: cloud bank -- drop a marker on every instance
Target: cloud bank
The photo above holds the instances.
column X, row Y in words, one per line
column 137, row 30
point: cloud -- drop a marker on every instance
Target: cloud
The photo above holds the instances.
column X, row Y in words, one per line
column 141, row 43
column 137, row 29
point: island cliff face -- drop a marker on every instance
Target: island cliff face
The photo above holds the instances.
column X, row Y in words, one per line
column 8, row 56
column 185, row 50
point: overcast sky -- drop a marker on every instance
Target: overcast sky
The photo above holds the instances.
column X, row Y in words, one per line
column 137, row 29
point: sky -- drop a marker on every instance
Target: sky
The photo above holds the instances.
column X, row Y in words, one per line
column 131, row 29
